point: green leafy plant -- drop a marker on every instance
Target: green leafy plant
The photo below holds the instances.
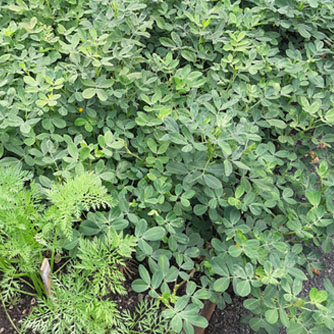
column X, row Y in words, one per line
column 73, row 308
column 102, row 260
column 81, row 299
column 145, row 319
column 28, row 228
column 210, row 123
column 82, row 193
column 20, row 218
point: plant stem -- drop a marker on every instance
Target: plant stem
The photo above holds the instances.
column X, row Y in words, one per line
column 61, row 267
column 25, row 292
column 53, row 250
column 37, row 284
column 26, row 282
column 177, row 286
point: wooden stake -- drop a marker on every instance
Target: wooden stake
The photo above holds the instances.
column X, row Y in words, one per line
column 206, row 312
column 46, row 275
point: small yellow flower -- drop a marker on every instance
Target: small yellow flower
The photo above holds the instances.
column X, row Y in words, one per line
column 80, row 110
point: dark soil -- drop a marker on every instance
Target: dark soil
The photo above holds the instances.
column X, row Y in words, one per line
column 128, row 301
column 17, row 313
column 317, row 281
column 227, row 321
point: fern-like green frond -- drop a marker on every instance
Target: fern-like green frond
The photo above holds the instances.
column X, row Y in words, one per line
column 78, row 194
column 73, row 308
column 146, row 319
column 20, row 217
column 102, row 258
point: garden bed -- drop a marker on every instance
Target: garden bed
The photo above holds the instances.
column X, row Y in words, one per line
column 226, row 321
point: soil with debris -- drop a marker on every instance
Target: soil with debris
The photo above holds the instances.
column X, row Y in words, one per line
column 16, row 313
column 327, row 271
column 128, row 301
column 227, row 321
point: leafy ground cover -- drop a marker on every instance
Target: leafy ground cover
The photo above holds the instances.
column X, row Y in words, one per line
column 187, row 141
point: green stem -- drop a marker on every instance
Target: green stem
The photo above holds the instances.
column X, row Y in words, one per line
column 97, row 72
column 53, row 250
column 26, row 283
column 25, row 292
column 232, row 80
column 48, row 4
column 38, row 285
column 20, row 275
column 129, row 152
column 62, row 266
column 177, row 286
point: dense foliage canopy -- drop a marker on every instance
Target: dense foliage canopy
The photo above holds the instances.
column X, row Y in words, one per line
column 210, row 123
